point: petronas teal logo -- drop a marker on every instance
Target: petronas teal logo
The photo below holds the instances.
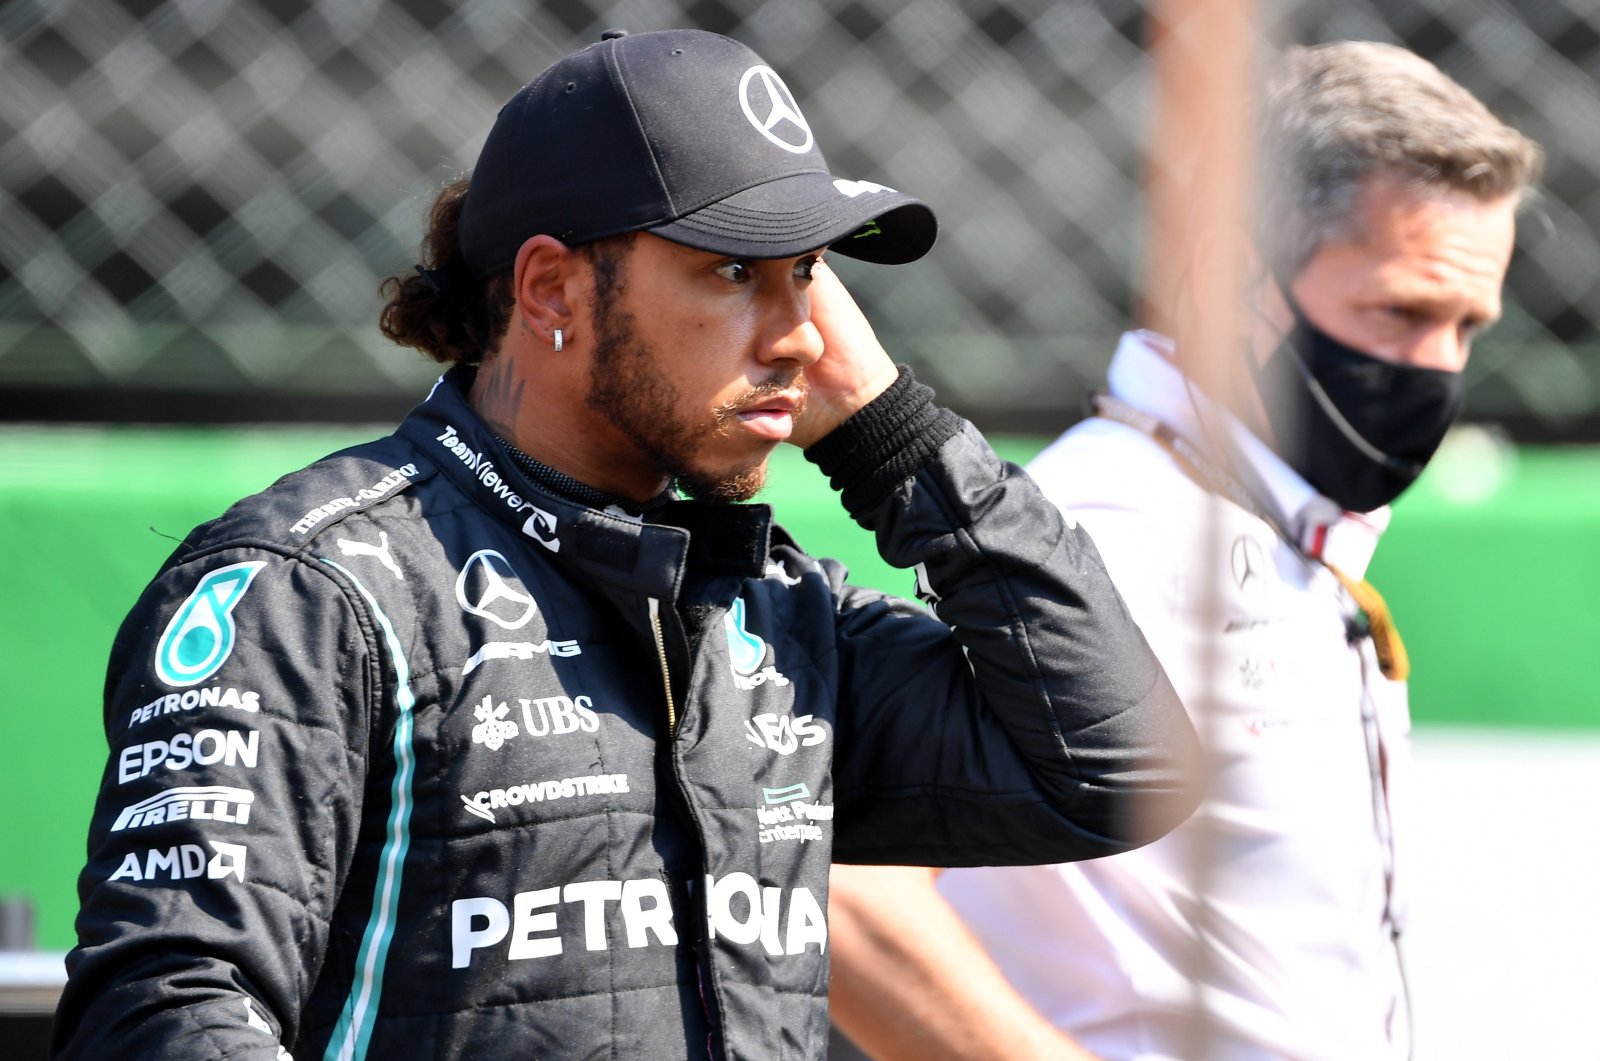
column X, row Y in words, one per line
column 200, row 636
column 746, row 651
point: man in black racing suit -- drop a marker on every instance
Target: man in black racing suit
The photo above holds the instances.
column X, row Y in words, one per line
column 487, row 740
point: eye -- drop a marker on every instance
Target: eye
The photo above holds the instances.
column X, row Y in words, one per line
column 806, row 267
column 736, row 271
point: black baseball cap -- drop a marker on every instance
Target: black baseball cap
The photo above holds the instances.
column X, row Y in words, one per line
column 682, row 133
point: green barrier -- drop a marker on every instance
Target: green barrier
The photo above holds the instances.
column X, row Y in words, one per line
column 1492, row 571
column 86, row 518
column 1494, row 580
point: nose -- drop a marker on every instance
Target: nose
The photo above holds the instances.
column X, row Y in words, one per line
column 795, row 339
column 1442, row 347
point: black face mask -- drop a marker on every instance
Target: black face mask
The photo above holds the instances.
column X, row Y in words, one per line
column 1357, row 428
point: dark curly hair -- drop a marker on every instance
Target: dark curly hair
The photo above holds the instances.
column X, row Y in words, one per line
column 441, row 308
column 455, row 317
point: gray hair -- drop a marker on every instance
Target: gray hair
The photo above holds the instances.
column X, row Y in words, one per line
column 1336, row 116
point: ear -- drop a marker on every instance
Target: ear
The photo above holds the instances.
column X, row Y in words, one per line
column 542, row 279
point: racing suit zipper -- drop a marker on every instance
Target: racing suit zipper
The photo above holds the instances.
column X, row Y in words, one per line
column 666, row 676
column 704, row 973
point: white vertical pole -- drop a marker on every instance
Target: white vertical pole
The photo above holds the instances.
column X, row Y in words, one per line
column 1199, row 171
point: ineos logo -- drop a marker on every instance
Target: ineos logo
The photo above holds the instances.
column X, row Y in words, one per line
column 485, row 588
column 772, row 110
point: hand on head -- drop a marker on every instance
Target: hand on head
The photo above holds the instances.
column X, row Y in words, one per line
column 853, row 369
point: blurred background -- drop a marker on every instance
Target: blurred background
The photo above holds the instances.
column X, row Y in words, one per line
column 198, row 201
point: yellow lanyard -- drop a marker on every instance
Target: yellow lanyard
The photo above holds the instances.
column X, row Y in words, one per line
column 1391, row 651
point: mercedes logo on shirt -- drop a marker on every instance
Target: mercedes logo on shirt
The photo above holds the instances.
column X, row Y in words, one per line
column 490, row 587
column 771, row 108
column 1251, row 569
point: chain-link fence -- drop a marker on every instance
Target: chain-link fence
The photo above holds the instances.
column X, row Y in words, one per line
column 198, row 199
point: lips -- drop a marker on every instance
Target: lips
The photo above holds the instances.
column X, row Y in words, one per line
column 771, row 416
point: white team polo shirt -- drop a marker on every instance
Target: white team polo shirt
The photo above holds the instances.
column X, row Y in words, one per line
column 1260, row 928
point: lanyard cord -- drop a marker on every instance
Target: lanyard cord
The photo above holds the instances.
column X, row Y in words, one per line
column 1393, row 660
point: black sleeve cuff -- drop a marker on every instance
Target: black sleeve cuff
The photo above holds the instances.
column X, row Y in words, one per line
column 886, row 442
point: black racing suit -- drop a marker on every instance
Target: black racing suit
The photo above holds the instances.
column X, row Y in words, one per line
column 412, row 758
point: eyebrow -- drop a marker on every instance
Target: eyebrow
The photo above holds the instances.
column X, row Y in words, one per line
column 1436, row 296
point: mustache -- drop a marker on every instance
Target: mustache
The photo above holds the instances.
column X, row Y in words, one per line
column 781, row 384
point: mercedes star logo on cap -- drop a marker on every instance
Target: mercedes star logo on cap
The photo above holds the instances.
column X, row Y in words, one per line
column 783, row 123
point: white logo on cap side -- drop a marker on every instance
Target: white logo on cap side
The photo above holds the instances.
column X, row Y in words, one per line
column 851, row 189
column 782, row 120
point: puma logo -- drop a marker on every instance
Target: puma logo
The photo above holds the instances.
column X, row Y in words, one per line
column 381, row 551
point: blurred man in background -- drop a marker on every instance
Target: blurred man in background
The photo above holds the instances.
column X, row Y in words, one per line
column 511, row 735
column 1269, row 925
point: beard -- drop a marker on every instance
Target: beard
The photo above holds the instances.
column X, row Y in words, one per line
column 629, row 389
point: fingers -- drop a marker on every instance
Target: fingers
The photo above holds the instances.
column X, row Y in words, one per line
column 854, row 367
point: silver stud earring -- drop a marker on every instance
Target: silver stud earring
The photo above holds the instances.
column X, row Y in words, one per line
column 558, row 341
